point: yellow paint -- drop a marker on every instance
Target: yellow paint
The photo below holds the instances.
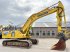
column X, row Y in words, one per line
column 50, row 10
column 17, row 34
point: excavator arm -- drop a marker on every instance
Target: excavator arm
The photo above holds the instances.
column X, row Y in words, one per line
column 52, row 9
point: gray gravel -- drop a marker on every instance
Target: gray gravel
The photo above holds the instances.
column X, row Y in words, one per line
column 43, row 46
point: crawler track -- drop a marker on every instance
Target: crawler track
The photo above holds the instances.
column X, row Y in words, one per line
column 17, row 43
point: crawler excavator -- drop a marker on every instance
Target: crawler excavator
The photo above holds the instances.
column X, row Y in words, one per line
column 18, row 36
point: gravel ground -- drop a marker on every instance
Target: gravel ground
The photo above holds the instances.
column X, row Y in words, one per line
column 43, row 46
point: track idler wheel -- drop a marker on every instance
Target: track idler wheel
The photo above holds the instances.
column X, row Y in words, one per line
column 4, row 43
column 34, row 41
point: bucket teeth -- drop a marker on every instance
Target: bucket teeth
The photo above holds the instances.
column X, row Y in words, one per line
column 61, row 45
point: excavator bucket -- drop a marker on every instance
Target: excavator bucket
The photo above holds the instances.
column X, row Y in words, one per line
column 61, row 44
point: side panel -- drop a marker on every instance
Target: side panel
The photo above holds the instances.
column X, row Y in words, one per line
column 14, row 34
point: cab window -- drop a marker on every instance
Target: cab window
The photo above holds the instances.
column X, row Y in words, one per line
column 13, row 34
column 6, row 32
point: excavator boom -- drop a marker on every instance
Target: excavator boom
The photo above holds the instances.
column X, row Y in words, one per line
column 52, row 9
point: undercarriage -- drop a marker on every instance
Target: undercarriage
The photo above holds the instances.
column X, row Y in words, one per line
column 26, row 43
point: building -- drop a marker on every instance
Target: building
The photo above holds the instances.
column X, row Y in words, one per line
column 46, row 29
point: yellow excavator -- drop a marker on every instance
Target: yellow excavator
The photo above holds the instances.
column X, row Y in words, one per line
column 22, row 37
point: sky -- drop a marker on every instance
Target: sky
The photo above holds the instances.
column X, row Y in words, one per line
column 16, row 12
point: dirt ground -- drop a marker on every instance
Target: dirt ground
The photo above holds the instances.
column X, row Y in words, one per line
column 44, row 45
